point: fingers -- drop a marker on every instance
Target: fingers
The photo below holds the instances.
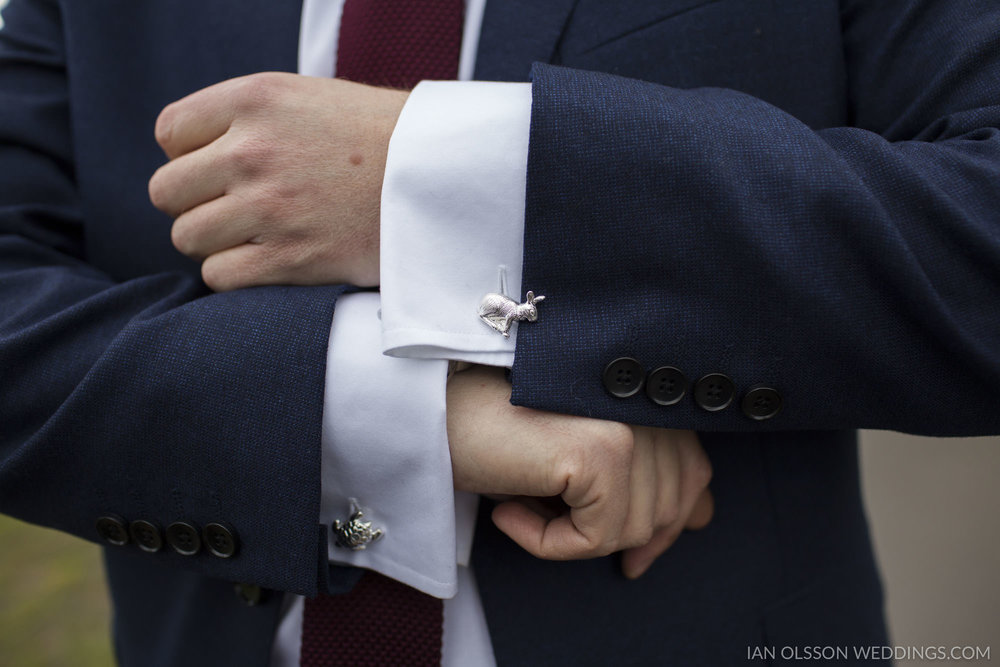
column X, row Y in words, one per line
column 621, row 487
column 237, row 267
column 636, row 561
column 684, row 500
column 647, row 488
column 555, row 538
column 597, row 493
column 599, row 499
column 201, row 117
column 703, row 511
column 307, row 157
column 190, row 180
column 697, row 502
column 212, row 227
column 253, row 264
column 641, row 510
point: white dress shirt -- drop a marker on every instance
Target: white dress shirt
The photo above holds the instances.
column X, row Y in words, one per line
column 452, row 220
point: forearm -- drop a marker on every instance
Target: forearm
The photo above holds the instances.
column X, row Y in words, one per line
column 150, row 401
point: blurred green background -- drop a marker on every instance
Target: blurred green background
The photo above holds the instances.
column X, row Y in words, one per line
column 54, row 609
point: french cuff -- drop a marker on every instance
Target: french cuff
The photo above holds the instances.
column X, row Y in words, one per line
column 453, row 218
column 385, row 445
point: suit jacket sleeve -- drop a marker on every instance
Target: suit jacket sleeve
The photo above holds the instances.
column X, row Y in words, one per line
column 855, row 269
column 147, row 398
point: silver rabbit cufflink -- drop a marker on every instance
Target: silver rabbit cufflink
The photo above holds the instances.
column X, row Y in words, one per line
column 500, row 311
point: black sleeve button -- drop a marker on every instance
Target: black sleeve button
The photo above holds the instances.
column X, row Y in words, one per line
column 112, row 530
column 623, row 377
column 666, row 385
column 761, row 402
column 220, row 540
column 183, row 537
column 147, row 535
column 714, row 392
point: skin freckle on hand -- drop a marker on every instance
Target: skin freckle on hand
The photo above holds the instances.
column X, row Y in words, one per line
column 356, row 159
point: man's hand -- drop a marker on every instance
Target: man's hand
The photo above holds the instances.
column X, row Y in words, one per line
column 626, row 488
column 276, row 178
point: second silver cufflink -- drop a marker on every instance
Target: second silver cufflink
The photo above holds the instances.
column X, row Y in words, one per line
column 354, row 533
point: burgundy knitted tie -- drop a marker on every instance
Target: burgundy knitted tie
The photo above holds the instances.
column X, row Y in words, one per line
column 381, row 622
column 395, row 43
column 399, row 43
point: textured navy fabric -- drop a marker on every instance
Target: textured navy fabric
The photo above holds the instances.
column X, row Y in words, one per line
column 823, row 218
column 797, row 194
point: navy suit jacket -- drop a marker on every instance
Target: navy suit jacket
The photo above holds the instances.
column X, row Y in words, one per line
column 799, row 194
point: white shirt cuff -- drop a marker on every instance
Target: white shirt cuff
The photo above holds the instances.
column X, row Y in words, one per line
column 452, row 216
column 385, row 443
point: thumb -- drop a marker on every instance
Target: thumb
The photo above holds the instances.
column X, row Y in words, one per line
column 542, row 536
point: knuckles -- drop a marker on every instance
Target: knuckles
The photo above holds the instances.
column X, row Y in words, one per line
column 260, row 90
column 617, row 441
column 249, row 155
column 639, row 536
